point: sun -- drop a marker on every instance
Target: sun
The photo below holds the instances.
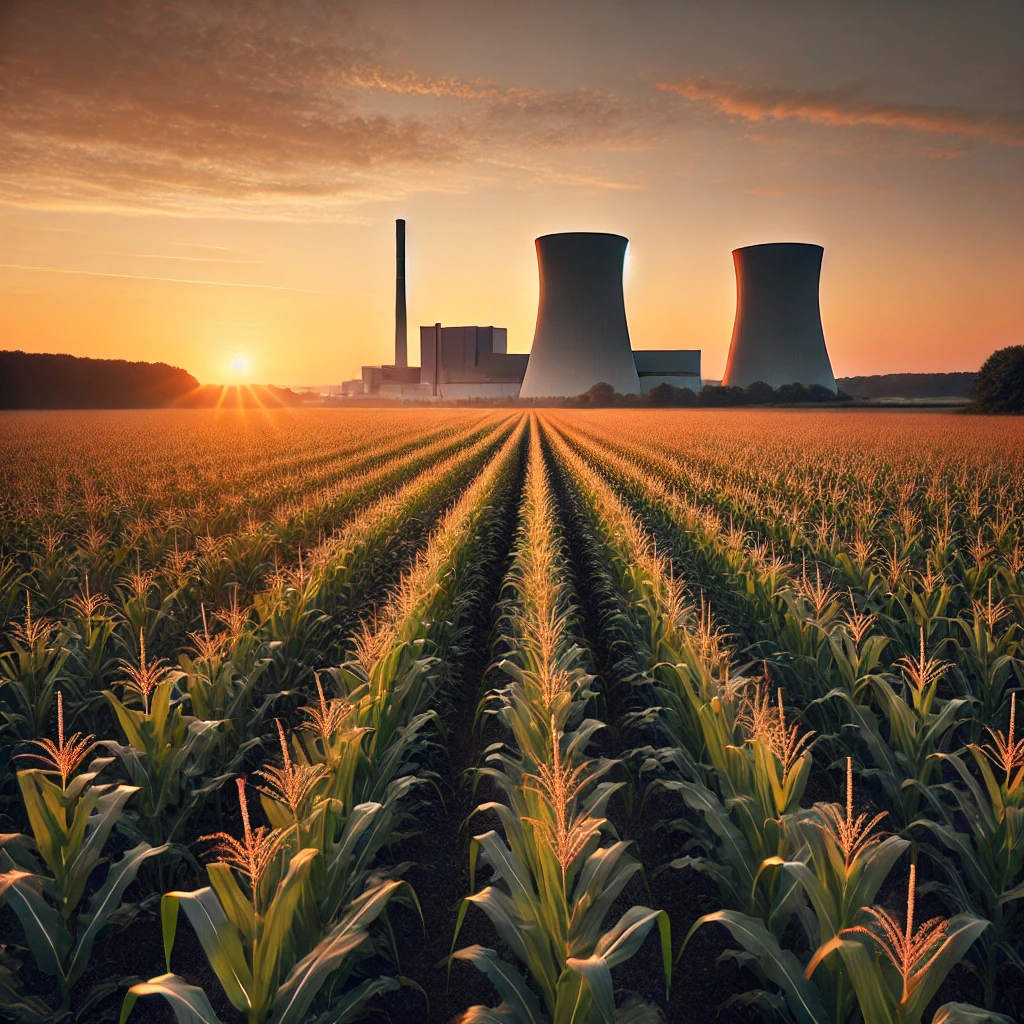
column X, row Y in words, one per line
column 239, row 366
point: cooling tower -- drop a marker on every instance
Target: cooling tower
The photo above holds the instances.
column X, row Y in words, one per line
column 777, row 336
column 581, row 337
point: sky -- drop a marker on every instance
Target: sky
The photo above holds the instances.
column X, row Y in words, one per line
column 214, row 184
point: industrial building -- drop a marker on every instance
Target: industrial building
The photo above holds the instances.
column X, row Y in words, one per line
column 455, row 362
column 469, row 362
column 777, row 335
column 581, row 337
column 679, row 368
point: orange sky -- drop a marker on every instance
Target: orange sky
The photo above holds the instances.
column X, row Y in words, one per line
column 209, row 181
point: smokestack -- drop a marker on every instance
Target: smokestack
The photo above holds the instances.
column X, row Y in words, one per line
column 401, row 332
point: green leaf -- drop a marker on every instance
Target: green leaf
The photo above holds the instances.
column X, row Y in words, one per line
column 964, row 1013
column 105, row 902
column 351, row 1005
column 878, row 1003
column 168, row 925
column 109, row 808
column 780, row 965
column 44, row 929
column 309, row 974
column 190, row 1004
column 220, row 941
column 510, row 984
column 593, row 973
column 959, row 936
column 275, row 933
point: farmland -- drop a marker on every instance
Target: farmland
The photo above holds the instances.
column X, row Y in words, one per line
column 567, row 716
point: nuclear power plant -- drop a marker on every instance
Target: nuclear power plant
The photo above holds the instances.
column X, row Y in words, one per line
column 582, row 337
column 777, row 336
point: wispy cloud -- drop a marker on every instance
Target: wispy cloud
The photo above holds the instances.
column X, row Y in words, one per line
column 170, row 280
column 814, row 190
column 188, row 259
column 212, row 106
column 847, row 107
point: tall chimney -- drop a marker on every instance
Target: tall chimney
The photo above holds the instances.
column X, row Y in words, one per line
column 401, row 332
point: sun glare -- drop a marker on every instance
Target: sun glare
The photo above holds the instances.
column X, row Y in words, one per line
column 239, row 367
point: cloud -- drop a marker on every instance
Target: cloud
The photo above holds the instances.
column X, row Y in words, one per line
column 813, row 190
column 847, row 107
column 146, row 277
column 279, row 108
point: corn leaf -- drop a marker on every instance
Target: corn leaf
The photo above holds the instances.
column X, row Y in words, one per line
column 780, row 965
column 44, row 929
column 963, row 1013
column 521, row 1004
column 189, row 1003
column 105, row 902
column 219, row 939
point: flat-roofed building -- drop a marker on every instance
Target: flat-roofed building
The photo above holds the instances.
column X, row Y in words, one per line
column 678, row 367
column 469, row 362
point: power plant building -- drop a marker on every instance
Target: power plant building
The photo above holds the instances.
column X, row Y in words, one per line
column 581, row 338
column 469, row 362
column 777, row 335
column 679, row 368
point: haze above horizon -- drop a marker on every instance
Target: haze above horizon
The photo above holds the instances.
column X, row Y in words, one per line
column 214, row 185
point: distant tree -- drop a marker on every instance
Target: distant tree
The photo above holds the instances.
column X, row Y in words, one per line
column 35, row 380
column 717, row 397
column 722, row 396
column 600, row 394
column 909, row 385
column 663, row 395
column 795, row 392
column 820, row 393
column 999, row 386
column 760, row 393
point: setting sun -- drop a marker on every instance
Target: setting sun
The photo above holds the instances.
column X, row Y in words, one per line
column 239, row 366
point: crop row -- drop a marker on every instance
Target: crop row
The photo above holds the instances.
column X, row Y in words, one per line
column 757, row 672
column 289, row 904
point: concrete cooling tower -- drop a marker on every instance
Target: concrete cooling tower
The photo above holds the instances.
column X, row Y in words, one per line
column 581, row 337
column 777, row 336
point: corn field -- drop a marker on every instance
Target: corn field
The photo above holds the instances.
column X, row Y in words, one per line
column 577, row 717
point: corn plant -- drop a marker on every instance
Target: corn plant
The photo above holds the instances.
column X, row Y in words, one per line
column 30, row 671
column 166, row 752
column 988, row 661
column 984, row 864
column 558, row 883
column 93, row 626
column 896, row 969
column 919, row 728
column 220, row 675
column 844, row 861
column 271, row 959
column 44, row 877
